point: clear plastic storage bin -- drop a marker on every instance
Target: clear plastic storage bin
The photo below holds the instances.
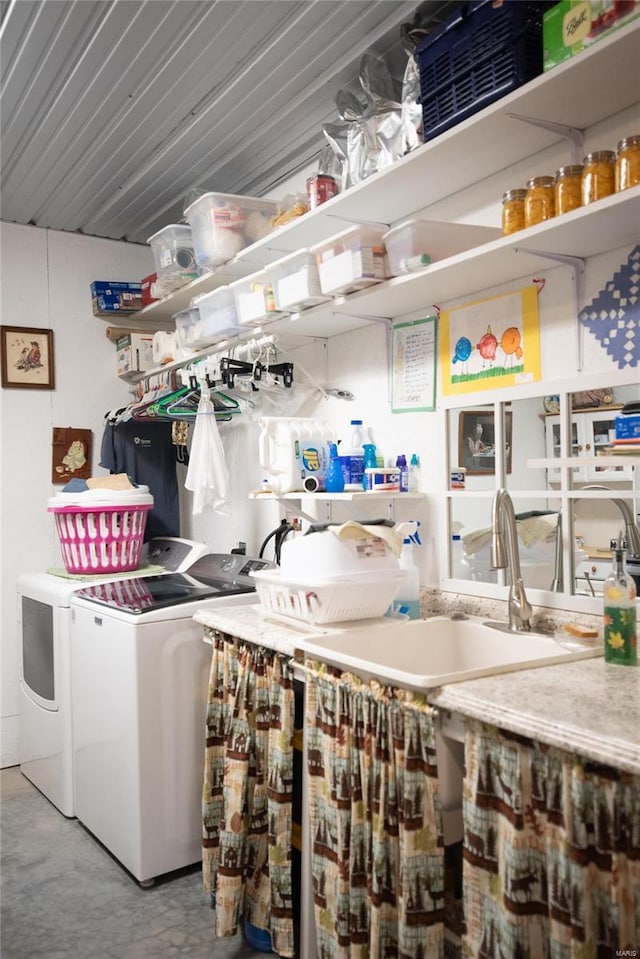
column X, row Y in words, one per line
column 406, row 244
column 222, row 224
column 218, row 318
column 296, row 282
column 173, row 254
column 351, row 260
column 187, row 327
column 255, row 302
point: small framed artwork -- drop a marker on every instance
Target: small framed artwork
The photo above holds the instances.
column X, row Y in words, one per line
column 476, row 441
column 27, row 358
column 71, row 450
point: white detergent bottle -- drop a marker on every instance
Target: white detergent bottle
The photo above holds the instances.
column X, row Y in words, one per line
column 407, row 599
column 351, row 455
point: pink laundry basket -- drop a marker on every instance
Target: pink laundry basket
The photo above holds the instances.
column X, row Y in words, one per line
column 101, row 538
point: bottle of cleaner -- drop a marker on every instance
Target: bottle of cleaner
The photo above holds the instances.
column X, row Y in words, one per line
column 370, row 462
column 414, row 473
column 407, row 599
column 401, row 463
column 352, row 455
column 334, row 479
column 620, row 638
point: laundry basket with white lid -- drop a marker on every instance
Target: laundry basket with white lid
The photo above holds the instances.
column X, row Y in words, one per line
column 101, row 530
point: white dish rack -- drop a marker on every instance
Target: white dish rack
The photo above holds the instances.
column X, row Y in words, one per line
column 331, row 600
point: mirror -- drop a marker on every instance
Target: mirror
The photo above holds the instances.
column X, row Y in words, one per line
column 496, row 442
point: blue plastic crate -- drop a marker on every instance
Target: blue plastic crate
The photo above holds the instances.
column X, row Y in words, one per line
column 485, row 50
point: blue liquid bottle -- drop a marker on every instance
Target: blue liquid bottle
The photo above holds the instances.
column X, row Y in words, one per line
column 334, row 480
column 370, row 461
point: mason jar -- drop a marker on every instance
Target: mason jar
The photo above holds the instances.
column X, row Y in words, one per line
column 513, row 211
column 540, row 201
column 598, row 176
column 568, row 188
column 628, row 163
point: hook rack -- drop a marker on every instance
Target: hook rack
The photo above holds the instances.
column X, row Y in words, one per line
column 230, row 368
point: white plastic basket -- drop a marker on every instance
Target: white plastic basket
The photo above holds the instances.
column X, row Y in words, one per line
column 360, row 596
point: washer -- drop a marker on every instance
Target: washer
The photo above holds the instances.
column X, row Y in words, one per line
column 44, row 670
column 140, row 672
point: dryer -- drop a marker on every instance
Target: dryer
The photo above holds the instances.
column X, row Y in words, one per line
column 140, row 673
column 44, row 672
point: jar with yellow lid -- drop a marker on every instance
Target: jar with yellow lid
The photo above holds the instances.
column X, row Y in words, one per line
column 513, row 211
column 540, row 201
column 598, row 176
column 628, row 163
column 568, row 188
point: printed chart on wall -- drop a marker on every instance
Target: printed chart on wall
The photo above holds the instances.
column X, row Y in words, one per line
column 414, row 366
column 490, row 343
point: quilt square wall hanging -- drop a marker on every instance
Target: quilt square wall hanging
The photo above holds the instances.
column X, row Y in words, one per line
column 490, row 343
column 613, row 316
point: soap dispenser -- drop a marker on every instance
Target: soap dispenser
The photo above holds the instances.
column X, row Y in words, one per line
column 620, row 638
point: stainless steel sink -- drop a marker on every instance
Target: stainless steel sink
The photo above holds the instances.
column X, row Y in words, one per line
column 423, row 654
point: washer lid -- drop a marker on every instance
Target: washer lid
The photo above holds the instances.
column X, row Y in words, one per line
column 217, row 575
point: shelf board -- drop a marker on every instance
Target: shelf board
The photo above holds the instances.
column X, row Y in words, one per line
column 611, row 223
column 346, row 497
column 608, row 224
column 578, row 462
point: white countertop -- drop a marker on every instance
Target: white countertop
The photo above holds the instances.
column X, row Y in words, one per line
column 589, row 706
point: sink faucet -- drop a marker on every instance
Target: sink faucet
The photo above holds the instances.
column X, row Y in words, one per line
column 504, row 521
column 631, row 531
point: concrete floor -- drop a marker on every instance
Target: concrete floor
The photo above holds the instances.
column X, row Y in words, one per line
column 65, row 897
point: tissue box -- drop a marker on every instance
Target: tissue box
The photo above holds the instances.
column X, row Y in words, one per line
column 134, row 353
column 113, row 296
column 572, row 25
column 628, row 427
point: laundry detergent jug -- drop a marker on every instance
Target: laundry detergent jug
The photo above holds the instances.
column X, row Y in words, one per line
column 293, row 449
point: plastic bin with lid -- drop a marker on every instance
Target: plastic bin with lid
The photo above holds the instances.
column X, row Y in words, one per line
column 187, row 327
column 222, row 224
column 255, row 302
column 218, row 317
column 296, row 281
column 406, row 245
column 173, row 255
column 351, row 260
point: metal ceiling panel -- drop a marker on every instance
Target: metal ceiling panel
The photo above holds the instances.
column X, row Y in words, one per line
column 113, row 110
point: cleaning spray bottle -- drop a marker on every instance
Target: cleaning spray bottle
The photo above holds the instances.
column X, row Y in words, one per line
column 334, row 480
column 370, row 462
column 407, row 599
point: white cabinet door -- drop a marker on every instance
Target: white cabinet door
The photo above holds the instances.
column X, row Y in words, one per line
column 598, row 430
column 553, row 449
column 591, row 432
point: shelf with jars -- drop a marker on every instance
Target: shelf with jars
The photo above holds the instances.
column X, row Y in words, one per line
column 580, row 91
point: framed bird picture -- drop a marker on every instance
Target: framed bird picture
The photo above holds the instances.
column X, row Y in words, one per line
column 490, row 343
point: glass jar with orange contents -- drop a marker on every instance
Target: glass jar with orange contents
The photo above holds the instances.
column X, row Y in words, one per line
column 628, row 163
column 513, row 211
column 540, row 201
column 568, row 188
column 598, row 176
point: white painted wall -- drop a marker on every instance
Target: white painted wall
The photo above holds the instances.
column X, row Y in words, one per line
column 45, row 282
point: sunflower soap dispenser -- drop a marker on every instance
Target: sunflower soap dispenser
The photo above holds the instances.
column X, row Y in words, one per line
column 620, row 638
